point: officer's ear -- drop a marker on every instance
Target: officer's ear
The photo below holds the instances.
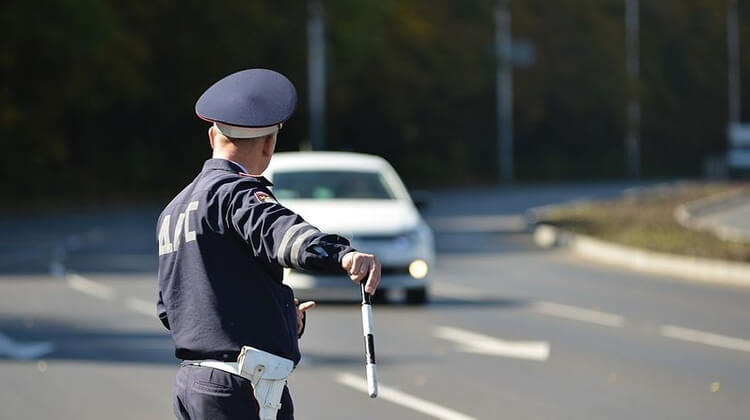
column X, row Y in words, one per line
column 269, row 144
column 211, row 136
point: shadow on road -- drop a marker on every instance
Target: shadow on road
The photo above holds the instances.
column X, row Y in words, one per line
column 327, row 360
column 93, row 240
column 80, row 342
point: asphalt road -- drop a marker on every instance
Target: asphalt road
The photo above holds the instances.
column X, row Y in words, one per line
column 512, row 331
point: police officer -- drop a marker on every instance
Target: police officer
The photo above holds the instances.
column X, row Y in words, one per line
column 223, row 243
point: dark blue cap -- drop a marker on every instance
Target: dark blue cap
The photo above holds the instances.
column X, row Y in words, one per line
column 249, row 98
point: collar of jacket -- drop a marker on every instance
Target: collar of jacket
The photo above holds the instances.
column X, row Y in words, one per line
column 228, row 165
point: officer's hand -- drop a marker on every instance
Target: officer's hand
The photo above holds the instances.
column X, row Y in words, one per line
column 301, row 309
column 362, row 266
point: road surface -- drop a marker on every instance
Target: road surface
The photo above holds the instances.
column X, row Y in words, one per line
column 512, row 331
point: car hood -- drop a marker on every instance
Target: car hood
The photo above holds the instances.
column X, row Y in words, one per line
column 357, row 217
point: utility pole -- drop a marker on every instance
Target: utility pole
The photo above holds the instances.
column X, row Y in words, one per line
column 504, row 51
column 316, row 73
column 632, row 138
column 733, row 47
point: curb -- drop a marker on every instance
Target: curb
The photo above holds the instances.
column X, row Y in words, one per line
column 689, row 214
column 695, row 269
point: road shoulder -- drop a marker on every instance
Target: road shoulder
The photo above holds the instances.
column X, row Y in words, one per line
column 690, row 268
column 703, row 270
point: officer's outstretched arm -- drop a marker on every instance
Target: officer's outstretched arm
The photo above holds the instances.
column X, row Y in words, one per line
column 283, row 237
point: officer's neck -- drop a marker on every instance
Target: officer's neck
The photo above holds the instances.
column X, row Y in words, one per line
column 253, row 154
column 250, row 164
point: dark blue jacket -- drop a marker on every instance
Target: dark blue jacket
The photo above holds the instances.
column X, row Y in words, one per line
column 223, row 243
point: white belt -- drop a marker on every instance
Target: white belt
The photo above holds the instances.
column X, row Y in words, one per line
column 267, row 373
column 229, row 367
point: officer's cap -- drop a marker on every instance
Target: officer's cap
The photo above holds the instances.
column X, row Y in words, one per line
column 249, row 103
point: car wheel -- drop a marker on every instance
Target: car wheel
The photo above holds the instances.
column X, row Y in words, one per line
column 416, row 296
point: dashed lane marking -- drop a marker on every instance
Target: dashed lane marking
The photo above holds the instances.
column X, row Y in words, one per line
column 403, row 399
column 602, row 318
column 559, row 310
column 472, row 342
column 92, row 288
column 702, row 337
column 101, row 291
column 578, row 314
column 142, row 306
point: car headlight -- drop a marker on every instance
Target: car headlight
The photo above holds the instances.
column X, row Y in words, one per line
column 418, row 269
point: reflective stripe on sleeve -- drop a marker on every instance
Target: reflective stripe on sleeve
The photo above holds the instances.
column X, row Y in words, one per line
column 298, row 243
column 281, row 252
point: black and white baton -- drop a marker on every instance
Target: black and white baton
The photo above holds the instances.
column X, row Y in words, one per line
column 368, row 327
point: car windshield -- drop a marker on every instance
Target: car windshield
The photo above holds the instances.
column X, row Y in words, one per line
column 326, row 185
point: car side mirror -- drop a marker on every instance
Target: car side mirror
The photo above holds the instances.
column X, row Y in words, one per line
column 420, row 198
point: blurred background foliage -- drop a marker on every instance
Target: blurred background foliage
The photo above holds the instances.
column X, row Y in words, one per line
column 97, row 95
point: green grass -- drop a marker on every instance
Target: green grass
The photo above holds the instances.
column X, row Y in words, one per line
column 647, row 221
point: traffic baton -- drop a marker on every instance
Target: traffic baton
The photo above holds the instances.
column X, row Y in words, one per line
column 368, row 327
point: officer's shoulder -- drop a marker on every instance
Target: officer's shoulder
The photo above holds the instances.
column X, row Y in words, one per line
column 261, row 191
column 176, row 201
column 250, row 186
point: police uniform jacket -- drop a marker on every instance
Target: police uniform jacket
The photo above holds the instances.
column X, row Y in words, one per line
column 223, row 244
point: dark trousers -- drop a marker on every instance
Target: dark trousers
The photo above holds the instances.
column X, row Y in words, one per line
column 211, row 394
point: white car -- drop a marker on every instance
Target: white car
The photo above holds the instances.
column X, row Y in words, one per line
column 361, row 198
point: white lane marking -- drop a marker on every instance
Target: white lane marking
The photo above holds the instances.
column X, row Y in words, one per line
column 547, row 308
column 89, row 287
column 578, row 314
column 472, row 342
column 142, row 306
column 403, row 399
column 92, row 288
column 707, row 338
column 603, row 318
column 17, row 350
